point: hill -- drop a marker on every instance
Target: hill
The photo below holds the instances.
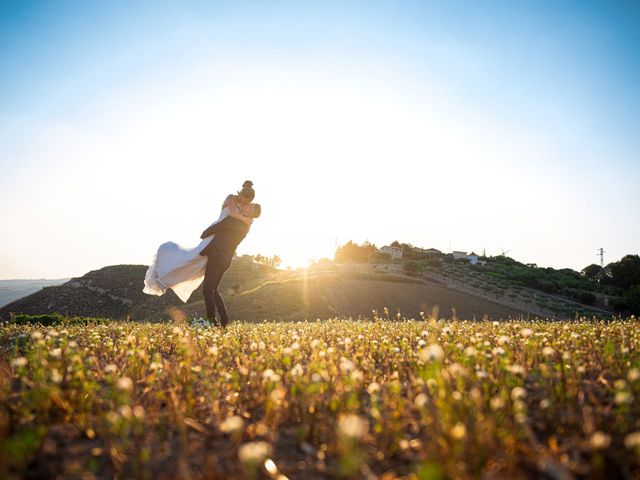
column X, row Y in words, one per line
column 12, row 290
column 254, row 291
column 116, row 292
column 542, row 291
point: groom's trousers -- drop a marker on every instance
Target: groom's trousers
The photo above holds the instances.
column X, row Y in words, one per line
column 218, row 263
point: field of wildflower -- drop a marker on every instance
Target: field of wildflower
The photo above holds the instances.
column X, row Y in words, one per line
column 422, row 399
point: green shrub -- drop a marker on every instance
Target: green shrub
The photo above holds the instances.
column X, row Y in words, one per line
column 632, row 299
column 433, row 262
column 587, row 298
column 413, row 266
column 53, row 319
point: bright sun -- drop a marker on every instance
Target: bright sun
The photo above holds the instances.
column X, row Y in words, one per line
column 302, row 260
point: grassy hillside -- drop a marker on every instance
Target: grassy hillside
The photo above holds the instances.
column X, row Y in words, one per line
column 254, row 291
column 546, row 292
column 116, row 292
column 322, row 294
column 494, row 282
column 542, row 291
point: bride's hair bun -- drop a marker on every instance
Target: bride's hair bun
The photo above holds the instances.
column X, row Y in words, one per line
column 247, row 192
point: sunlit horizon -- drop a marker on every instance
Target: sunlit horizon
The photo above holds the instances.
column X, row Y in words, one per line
column 487, row 128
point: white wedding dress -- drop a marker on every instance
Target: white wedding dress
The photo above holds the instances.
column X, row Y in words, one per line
column 178, row 268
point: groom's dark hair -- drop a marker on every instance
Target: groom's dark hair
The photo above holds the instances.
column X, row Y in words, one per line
column 257, row 210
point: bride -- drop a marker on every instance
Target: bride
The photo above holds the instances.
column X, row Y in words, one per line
column 182, row 269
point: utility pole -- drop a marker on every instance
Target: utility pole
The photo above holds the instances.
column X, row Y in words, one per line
column 601, row 253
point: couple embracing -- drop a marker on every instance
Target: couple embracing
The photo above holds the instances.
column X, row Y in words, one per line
column 183, row 270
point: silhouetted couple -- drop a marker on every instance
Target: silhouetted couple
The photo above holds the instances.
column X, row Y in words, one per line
column 183, row 270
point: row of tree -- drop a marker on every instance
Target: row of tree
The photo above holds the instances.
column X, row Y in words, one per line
column 353, row 252
column 368, row 252
column 623, row 276
column 273, row 261
column 624, row 273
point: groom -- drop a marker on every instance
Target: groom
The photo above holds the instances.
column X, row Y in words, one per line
column 220, row 250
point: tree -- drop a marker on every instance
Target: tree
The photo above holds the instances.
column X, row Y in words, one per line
column 632, row 299
column 381, row 257
column 592, row 272
column 413, row 266
column 352, row 252
column 624, row 273
column 264, row 260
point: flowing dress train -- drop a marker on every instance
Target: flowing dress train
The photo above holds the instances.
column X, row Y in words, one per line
column 178, row 268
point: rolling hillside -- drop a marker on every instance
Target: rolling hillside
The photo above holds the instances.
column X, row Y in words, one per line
column 254, row 292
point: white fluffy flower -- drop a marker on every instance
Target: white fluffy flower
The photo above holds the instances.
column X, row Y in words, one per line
column 632, row 440
column 432, row 353
column 518, row 393
column 111, row 368
column 232, row 424
column 254, row 452
column 352, row 426
column 56, row 377
column 297, row 370
column 19, row 362
column 600, row 441
column 526, row 332
column 125, row 384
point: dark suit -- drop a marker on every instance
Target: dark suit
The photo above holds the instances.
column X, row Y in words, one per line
column 220, row 250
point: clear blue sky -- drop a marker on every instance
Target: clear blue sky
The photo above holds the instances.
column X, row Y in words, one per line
column 475, row 125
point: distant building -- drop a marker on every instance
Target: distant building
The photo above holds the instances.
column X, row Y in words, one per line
column 432, row 252
column 473, row 258
column 395, row 252
column 458, row 255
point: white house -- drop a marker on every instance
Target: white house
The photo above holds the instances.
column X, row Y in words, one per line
column 395, row 252
column 458, row 254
